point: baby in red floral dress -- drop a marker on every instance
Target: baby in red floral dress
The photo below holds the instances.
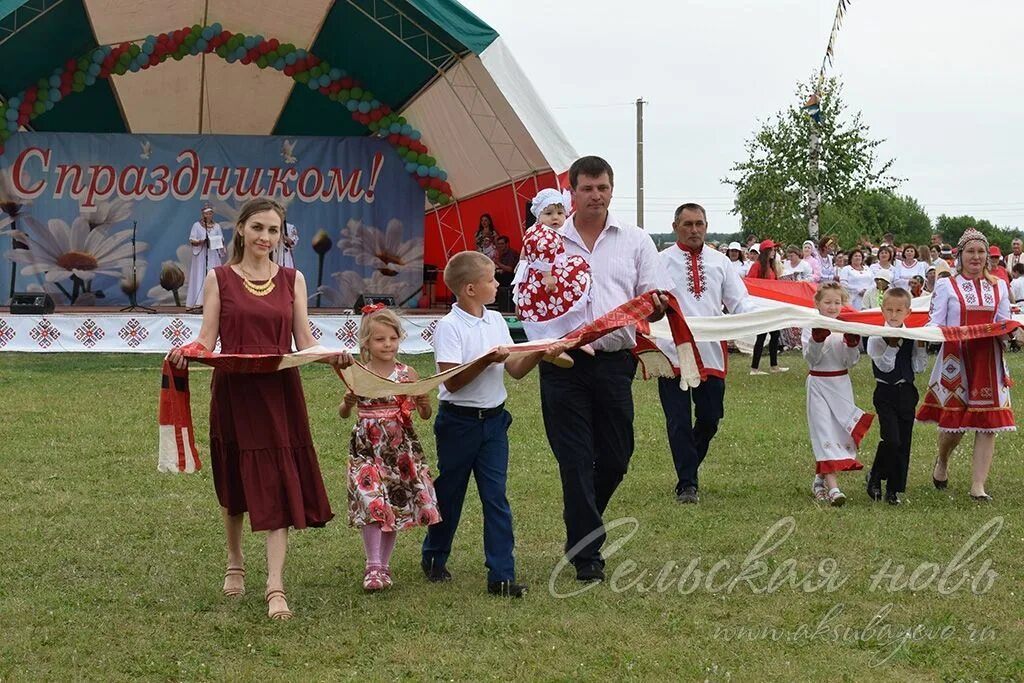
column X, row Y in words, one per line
column 551, row 288
column 389, row 486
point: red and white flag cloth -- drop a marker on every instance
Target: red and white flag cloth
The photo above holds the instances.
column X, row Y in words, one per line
column 178, row 451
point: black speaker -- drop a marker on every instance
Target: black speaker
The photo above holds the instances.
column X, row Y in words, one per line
column 370, row 299
column 30, row 303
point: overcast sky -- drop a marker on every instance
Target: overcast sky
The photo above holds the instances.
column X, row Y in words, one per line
column 940, row 81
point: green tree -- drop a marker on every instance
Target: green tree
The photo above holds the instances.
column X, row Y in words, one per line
column 774, row 183
column 951, row 227
column 873, row 213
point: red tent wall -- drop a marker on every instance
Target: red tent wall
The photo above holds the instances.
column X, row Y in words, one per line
column 505, row 205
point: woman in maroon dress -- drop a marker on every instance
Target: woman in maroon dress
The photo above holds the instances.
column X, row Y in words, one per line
column 261, row 450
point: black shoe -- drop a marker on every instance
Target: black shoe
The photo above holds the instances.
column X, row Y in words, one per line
column 589, row 571
column 435, row 573
column 939, row 483
column 983, row 498
column 893, row 498
column 688, row 494
column 874, row 486
column 506, row 589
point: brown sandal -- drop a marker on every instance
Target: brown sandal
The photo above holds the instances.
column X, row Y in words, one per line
column 232, row 572
column 282, row 614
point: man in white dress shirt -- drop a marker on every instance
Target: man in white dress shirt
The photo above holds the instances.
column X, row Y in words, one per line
column 1015, row 256
column 588, row 408
column 703, row 282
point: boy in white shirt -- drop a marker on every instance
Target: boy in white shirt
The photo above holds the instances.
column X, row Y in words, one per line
column 894, row 362
column 1017, row 284
column 471, row 427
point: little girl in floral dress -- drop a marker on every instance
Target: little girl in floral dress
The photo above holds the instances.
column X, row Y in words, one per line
column 389, row 486
column 551, row 288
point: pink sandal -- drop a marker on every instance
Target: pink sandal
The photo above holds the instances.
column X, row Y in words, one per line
column 372, row 580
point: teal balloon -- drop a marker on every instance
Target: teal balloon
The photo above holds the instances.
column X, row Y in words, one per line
column 414, row 134
column 364, row 107
column 433, row 171
column 410, row 167
column 422, row 171
column 352, row 105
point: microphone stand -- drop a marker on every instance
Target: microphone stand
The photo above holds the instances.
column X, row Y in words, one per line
column 133, row 298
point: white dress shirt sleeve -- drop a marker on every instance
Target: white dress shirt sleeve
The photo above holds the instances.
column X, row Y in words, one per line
column 883, row 355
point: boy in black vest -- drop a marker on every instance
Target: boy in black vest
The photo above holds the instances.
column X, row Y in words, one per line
column 894, row 361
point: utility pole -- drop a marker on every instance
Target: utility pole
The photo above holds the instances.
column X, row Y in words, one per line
column 640, row 161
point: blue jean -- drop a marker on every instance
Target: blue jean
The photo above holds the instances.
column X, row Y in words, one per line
column 689, row 438
column 468, row 445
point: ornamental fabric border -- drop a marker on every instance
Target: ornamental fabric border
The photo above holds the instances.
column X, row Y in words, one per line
column 126, row 333
column 75, row 75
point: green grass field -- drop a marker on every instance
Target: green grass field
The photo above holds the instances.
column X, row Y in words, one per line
column 111, row 571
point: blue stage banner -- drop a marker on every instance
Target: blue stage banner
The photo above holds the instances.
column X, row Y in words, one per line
column 69, row 201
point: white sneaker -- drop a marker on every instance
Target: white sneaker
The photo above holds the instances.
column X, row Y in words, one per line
column 779, row 368
column 819, row 488
column 836, row 498
column 758, row 372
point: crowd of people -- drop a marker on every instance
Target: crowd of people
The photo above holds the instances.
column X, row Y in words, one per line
column 584, row 263
column 866, row 270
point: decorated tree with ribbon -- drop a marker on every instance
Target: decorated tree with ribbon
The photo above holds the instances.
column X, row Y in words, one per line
column 775, row 184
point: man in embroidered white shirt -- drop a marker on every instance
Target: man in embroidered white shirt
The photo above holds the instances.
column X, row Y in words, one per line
column 1015, row 256
column 703, row 282
column 588, row 408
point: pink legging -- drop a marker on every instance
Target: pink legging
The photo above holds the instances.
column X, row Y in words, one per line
column 378, row 545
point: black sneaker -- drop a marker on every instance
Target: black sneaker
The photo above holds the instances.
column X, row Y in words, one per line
column 506, row 589
column 588, row 572
column 688, row 495
column 892, row 498
column 874, row 486
column 435, row 573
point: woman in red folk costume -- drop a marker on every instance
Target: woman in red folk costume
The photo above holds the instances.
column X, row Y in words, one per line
column 551, row 289
column 969, row 389
column 261, row 450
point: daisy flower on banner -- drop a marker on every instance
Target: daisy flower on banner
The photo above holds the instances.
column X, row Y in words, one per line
column 61, row 251
column 384, row 251
column 350, row 284
column 105, row 214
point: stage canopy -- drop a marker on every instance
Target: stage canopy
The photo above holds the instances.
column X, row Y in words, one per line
column 433, row 62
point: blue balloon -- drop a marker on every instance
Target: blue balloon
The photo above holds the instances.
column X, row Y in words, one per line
column 147, row 48
column 407, row 130
column 98, row 56
column 352, row 105
column 94, row 69
column 89, row 79
column 134, row 67
column 374, row 104
column 301, row 53
column 240, row 52
column 230, row 59
column 364, row 107
column 279, row 64
column 259, row 39
column 290, row 58
column 410, row 167
column 216, row 27
column 14, row 102
column 249, row 42
column 422, row 171
column 335, row 73
column 201, row 44
column 206, row 33
column 415, row 135
column 433, row 171
column 313, row 83
column 443, row 175
column 395, row 128
column 49, row 105
column 55, row 95
column 12, row 125
column 324, row 80
column 12, row 115
column 54, row 81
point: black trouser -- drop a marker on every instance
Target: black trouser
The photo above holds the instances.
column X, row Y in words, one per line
column 773, row 349
column 895, row 405
column 588, row 417
column 689, row 439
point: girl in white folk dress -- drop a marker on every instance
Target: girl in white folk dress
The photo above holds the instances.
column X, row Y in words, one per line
column 836, row 424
